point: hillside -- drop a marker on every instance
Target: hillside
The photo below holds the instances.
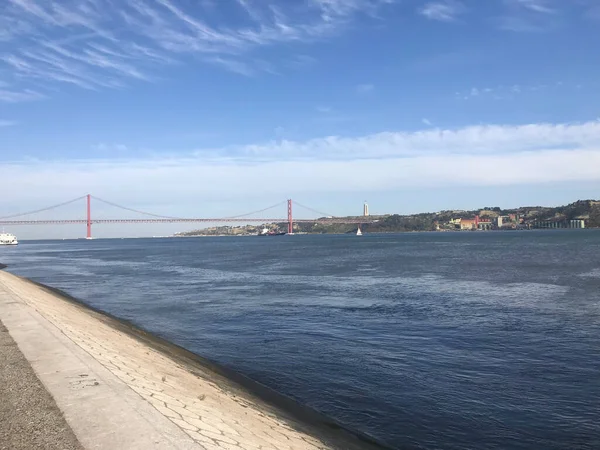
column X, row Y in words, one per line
column 588, row 210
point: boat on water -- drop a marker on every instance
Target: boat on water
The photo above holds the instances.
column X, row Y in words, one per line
column 358, row 232
column 267, row 232
column 8, row 239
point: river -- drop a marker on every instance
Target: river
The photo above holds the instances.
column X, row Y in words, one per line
column 421, row 340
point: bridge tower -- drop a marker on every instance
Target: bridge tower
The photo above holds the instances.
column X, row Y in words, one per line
column 89, row 217
column 290, row 218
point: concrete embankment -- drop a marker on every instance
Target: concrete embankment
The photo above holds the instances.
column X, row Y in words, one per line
column 29, row 417
column 119, row 387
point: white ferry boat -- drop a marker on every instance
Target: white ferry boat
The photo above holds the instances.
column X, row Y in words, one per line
column 8, row 239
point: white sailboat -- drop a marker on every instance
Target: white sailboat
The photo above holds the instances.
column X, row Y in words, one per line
column 358, row 232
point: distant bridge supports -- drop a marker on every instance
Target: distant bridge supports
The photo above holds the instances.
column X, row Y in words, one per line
column 157, row 219
column 290, row 218
column 89, row 216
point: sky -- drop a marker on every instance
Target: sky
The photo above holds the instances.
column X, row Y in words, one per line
column 214, row 108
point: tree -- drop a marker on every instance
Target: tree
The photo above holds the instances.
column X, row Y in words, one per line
column 594, row 221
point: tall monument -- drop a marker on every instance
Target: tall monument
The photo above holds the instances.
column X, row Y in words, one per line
column 365, row 209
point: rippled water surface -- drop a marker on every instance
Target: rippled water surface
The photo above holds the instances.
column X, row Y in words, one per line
column 428, row 340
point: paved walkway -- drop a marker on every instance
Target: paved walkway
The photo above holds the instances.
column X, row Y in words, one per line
column 117, row 392
column 103, row 411
column 29, row 417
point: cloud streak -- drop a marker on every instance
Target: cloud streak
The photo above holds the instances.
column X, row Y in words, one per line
column 529, row 16
column 539, row 6
column 107, row 44
column 473, row 156
column 473, row 140
column 444, row 11
column 365, row 88
column 95, row 44
column 510, row 92
column 26, row 95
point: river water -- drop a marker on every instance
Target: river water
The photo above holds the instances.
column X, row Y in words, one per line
column 421, row 340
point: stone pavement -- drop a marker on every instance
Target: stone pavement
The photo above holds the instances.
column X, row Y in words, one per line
column 118, row 392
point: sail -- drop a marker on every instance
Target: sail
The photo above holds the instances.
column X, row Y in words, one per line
column 358, row 232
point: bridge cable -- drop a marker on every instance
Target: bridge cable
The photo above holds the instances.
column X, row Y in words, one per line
column 136, row 210
column 43, row 209
column 256, row 212
column 180, row 218
column 313, row 210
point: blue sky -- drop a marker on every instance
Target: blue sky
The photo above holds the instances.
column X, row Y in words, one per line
column 413, row 105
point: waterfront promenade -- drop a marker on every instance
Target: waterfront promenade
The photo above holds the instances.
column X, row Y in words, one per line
column 120, row 388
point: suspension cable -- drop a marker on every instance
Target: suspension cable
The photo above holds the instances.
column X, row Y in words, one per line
column 43, row 209
column 256, row 212
column 141, row 212
column 313, row 210
column 135, row 210
column 170, row 217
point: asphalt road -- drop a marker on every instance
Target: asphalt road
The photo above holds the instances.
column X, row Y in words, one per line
column 29, row 417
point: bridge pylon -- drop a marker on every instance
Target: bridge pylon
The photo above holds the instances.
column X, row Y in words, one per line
column 290, row 218
column 89, row 217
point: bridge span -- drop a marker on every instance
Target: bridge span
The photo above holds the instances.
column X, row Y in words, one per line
column 18, row 220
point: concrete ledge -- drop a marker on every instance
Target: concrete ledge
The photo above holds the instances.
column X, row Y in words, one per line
column 103, row 412
column 29, row 416
column 120, row 387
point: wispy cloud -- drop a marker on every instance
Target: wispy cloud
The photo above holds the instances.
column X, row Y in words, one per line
column 514, row 15
column 7, row 123
column 473, row 156
column 365, row 88
column 511, row 91
column 103, row 147
column 26, row 95
column 98, row 44
column 445, row 11
column 327, row 114
column 95, row 44
column 529, row 16
column 301, row 61
column 493, row 139
column 539, row 6
column 520, row 24
column 427, row 122
column 232, row 65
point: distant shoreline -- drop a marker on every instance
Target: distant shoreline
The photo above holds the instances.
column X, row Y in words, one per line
column 391, row 232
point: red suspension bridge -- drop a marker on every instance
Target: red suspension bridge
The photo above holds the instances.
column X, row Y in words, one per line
column 18, row 219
